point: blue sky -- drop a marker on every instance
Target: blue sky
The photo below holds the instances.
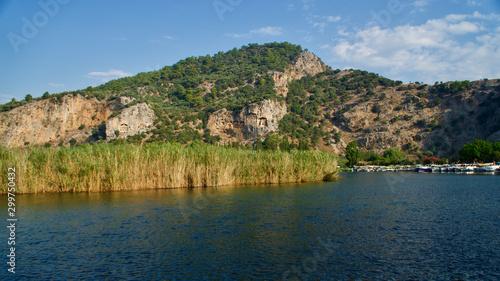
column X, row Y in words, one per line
column 63, row 45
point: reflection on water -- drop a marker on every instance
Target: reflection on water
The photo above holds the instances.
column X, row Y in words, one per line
column 364, row 226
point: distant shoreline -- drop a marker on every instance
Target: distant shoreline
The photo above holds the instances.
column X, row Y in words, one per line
column 489, row 168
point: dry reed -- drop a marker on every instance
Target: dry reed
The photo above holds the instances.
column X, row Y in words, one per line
column 104, row 167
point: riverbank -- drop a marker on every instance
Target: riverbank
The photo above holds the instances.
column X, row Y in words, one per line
column 107, row 167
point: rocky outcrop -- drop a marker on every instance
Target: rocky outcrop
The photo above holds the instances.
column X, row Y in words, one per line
column 57, row 121
column 132, row 120
column 255, row 120
column 52, row 120
column 307, row 64
column 417, row 119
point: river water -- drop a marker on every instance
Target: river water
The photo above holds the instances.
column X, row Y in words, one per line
column 366, row 226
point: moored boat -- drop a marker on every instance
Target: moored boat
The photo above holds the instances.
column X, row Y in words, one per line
column 468, row 169
column 424, row 169
column 435, row 169
column 491, row 168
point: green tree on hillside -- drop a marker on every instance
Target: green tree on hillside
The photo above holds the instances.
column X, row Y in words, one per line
column 352, row 154
column 394, row 156
column 303, row 144
column 285, row 144
column 272, row 142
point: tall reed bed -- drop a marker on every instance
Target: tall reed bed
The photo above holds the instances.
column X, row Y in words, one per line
column 104, row 167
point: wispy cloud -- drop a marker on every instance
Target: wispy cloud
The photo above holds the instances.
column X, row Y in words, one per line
column 437, row 49
column 119, row 38
column 264, row 31
column 476, row 15
column 420, row 5
column 333, row 19
column 163, row 39
column 307, row 4
column 473, row 3
column 56, row 85
column 343, row 32
column 108, row 75
column 321, row 22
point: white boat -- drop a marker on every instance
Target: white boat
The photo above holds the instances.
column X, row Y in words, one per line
column 491, row 168
column 435, row 169
column 468, row 169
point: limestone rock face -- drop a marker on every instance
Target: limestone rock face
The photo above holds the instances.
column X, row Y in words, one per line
column 307, row 64
column 412, row 121
column 52, row 120
column 255, row 120
column 131, row 121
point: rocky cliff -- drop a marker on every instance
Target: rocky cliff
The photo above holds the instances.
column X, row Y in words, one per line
column 307, row 64
column 255, row 120
column 131, row 121
column 56, row 121
column 52, row 120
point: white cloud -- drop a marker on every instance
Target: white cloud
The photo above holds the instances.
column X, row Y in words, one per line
column 56, row 85
column 270, row 30
column 106, row 76
column 168, row 37
column 454, row 17
column 264, row 31
column 434, row 51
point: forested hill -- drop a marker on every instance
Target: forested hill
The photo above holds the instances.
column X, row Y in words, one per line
column 198, row 82
column 247, row 94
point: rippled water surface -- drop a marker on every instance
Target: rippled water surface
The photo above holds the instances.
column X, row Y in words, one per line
column 385, row 226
